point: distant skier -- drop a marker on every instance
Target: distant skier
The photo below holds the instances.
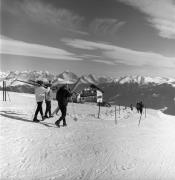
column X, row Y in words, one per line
column 48, row 98
column 62, row 96
column 137, row 106
column 39, row 95
column 140, row 110
column 141, row 107
column 131, row 106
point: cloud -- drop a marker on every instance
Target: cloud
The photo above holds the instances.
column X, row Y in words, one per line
column 105, row 26
column 14, row 47
column 95, row 58
column 60, row 18
column 123, row 55
column 47, row 14
column 81, row 44
column 88, row 56
column 104, row 61
column 160, row 14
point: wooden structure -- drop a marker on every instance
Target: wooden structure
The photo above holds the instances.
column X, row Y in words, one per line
column 89, row 95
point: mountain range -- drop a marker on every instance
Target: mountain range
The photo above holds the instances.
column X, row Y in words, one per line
column 10, row 77
column 155, row 92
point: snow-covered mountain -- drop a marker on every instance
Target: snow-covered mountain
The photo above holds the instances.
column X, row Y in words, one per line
column 144, row 80
column 69, row 76
column 85, row 79
column 96, row 79
column 3, row 75
column 12, row 76
column 66, row 76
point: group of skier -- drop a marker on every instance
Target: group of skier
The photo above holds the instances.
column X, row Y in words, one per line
column 44, row 92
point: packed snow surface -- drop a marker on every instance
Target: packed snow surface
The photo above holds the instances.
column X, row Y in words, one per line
column 90, row 148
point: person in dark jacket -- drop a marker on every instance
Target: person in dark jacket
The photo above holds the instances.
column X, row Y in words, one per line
column 138, row 106
column 62, row 96
column 141, row 107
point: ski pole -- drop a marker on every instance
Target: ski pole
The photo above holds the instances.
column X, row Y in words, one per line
column 75, row 117
column 115, row 116
column 140, row 119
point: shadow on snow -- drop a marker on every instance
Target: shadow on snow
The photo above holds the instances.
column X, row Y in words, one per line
column 15, row 116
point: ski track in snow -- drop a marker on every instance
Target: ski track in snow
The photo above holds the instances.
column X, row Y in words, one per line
column 89, row 149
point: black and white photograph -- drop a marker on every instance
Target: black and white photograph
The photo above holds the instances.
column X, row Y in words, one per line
column 87, row 89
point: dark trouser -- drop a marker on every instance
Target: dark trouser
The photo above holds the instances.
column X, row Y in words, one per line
column 63, row 110
column 141, row 110
column 48, row 108
column 39, row 109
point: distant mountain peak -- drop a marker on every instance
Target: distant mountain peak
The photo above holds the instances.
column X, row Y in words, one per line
column 145, row 80
column 67, row 75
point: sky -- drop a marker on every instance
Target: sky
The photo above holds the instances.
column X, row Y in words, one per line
column 101, row 37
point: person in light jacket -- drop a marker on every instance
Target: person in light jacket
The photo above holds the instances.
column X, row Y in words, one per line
column 40, row 96
column 48, row 98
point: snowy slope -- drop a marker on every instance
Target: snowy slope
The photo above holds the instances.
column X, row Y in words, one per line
column 90, row 148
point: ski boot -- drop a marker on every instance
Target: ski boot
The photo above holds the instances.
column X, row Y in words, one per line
column 35, row 120
column 64, row 125
column 57, row 124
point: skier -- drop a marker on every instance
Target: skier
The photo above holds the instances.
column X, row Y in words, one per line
column 138, row 106
column 141, row 107
column 62, row 96
column 140, row 110
column 39, row 95
column 48, row 98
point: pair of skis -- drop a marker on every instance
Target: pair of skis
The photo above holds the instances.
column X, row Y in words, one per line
column 31, row 83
